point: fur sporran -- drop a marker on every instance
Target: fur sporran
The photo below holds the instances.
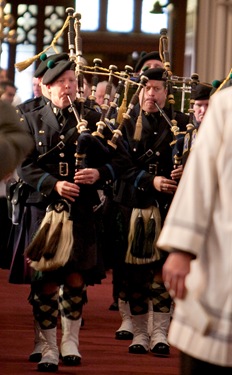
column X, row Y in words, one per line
column 52, row 244
column 145, row 227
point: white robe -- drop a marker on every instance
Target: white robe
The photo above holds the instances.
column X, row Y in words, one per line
column 200, row 221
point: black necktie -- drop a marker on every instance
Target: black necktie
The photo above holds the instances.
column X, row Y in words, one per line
column 60, row 117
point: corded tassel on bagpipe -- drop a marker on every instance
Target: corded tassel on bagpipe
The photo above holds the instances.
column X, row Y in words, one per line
column 20, row 66
column 139, row 123
column 117, row 133
column 124, row 78
column 52, row 244
column 123, row 107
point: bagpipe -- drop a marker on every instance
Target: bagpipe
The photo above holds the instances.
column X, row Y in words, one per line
column 116, row 113
column 103, row 141
column 190, row 126
column 108, row 133
column 165, row 58
column 87, row 141
column 187, row 85
column 181, row 137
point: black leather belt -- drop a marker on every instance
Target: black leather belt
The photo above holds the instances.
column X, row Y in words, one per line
column 60, row 169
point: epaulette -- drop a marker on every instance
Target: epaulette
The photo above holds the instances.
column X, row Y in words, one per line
column 31, row 105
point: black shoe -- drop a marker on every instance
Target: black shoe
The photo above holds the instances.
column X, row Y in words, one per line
column 35, row 357
column 47, row 367
column 161, row 350
column 137, row 349
column 124, row 335
column 113, row 306
column 71, row 360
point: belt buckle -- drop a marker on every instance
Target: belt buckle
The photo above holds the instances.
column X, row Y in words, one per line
column 149, row 153
column 63, row 169
column 152, row 169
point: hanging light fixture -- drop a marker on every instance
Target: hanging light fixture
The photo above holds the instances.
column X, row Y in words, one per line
column 6, row 22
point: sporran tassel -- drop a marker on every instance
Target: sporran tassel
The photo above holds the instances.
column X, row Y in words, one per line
column 35, row 249
column 139, row 236
column 51, row 247
column 148, row 248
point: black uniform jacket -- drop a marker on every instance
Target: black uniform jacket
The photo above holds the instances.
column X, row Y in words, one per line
column 49, row 163
column 152, row 156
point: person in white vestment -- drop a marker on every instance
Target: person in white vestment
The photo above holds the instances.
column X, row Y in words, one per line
column 197, row 233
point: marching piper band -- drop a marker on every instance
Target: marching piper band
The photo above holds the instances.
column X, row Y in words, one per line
column 131, row 144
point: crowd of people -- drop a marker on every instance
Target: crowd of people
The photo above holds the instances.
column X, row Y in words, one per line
column 87, row 191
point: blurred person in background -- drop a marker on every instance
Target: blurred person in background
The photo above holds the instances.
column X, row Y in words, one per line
column 7, row 91
column 15, row 143
column 36, row 87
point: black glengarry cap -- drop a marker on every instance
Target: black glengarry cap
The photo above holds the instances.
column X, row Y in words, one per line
column 55, row 69
column 42, row 68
